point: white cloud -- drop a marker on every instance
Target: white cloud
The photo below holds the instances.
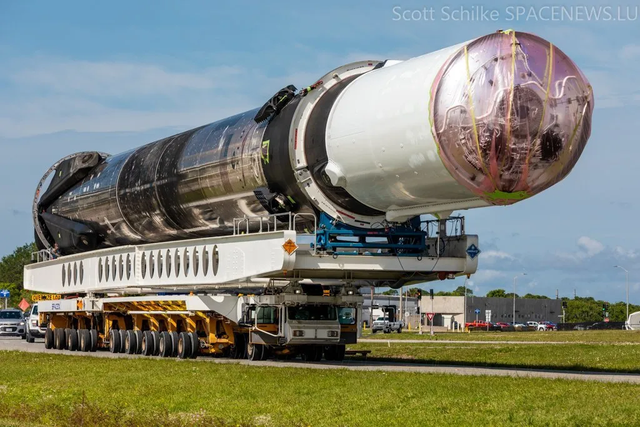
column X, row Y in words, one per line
column 590, row 246
column 495, row 255
column 487, row 275
column 630, row 51
column 625, row 253
column 115, row 79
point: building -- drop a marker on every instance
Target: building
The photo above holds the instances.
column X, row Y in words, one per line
column 449, row 310
column 409, row 306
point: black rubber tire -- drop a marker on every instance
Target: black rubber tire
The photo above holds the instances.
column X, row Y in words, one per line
column 130, row 344
column 373, row 331
column 48, row 339
column 67, row 332
column 58, row 338
column 330, row 352
column 93, row 335
column 114, row 341
column 400, row 330
column 123, row 338
column 239, row 348
column 156, row 343
column 147, row 343
column 139, row 336
column 184, row 345
column 24, row 336
column 340, row 350
column 72, row 340
column 311, row 353
column 255, row 351
column 85, row 340
column 30, row 339
column 318, row 354
column 175, row 337
column 166, row 344
column 195, row 345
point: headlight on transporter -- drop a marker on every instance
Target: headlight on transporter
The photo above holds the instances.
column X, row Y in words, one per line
column 298, row 333
column 333, row 334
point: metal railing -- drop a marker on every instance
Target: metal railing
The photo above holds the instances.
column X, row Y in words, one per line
column 42, row 255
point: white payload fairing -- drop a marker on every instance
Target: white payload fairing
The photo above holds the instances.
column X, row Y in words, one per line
column 487, row 122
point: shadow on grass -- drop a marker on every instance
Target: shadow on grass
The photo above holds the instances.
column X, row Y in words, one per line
column 400, row 361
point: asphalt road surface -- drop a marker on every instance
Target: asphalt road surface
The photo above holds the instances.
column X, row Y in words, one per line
column 10, row 343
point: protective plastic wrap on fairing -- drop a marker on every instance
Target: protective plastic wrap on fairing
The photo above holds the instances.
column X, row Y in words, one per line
column 511, row 114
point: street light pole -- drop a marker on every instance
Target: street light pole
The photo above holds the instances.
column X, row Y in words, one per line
column 627, row 280
column 464, row 313
column 515, row 280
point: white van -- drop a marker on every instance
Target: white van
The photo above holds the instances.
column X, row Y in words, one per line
column 34, row 329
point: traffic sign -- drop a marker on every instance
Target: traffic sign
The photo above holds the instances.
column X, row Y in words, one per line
column 473, row 251
column 406, row 314
column 487, row 315
column 4, row 293
column 430, row 316
column 477, row 311
column 24, row 304
column 606, row 319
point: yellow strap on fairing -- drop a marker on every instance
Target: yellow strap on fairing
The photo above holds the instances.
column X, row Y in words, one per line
column 507, row 32
column 473, row 114
column 513, row 81
column 549, row 70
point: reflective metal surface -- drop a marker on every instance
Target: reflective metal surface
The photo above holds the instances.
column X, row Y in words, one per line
column 188, row 185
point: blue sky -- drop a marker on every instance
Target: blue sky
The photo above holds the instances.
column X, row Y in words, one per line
column 110, row 76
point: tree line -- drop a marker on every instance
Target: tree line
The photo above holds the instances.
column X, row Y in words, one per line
column 579, row 309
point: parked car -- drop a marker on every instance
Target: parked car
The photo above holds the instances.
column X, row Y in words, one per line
column 482, row 325
column 34, row 329
column 518, row 326
column 505, row 326
column 383, row 324
column 547, row 326
column 12, row 323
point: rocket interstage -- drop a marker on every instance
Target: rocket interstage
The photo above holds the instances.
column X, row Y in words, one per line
column 487, row 122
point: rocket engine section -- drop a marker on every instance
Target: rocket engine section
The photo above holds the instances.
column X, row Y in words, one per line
column 488, row 122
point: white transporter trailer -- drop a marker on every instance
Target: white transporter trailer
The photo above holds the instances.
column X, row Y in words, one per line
column 211, row 240
column 251, row 295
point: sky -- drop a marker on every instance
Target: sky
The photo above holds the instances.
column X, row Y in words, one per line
column 110, row 76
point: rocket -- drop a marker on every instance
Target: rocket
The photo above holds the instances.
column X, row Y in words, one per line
column 490, row 121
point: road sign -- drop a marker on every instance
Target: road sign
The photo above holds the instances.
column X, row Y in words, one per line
column 606, row 319
column 477, row 311
column 473, row 251
column 24, row 304
column 430, row 316
column 4, row 293
column 406, row 314
column 487, row 315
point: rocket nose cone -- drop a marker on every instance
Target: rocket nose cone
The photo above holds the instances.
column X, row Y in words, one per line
column 518, row 122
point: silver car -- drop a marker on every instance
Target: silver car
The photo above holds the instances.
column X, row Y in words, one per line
column 12, row 323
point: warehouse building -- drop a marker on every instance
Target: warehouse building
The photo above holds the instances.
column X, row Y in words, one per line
column 449, row 310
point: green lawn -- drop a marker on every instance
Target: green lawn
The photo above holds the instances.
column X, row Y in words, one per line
column 48, row 389
column 600, row 336
column 583, row 357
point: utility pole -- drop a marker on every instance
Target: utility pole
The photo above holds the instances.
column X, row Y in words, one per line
column 371, row 310
column 464, row 312
column 515, row 280
column 434, row 315
column 400, row 302
column 557, row 293
column 574, row 293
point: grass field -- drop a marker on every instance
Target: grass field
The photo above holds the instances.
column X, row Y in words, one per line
column 593, row 337
column 582, row 357
column 43, row 389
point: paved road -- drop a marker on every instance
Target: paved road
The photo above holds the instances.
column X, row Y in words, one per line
column 428, row 341
column 356, row 365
